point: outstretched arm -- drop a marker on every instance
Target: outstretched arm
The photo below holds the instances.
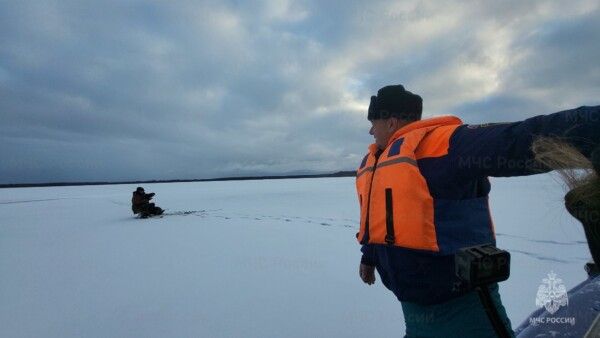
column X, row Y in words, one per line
column 504, row 149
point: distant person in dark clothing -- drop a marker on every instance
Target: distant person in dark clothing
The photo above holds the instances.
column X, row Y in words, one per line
column 140, row 204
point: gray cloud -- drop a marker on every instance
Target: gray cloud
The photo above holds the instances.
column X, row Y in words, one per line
column 152, row 90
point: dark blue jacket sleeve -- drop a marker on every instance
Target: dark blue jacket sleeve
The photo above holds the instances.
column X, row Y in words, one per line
column 368, row 257
column 504, row 149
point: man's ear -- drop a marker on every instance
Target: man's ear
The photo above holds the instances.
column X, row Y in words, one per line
column 393, row 123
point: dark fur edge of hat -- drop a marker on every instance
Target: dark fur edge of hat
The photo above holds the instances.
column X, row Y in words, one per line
column 596, row 159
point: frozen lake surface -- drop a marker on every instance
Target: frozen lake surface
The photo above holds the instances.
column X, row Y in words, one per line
column 273, row 258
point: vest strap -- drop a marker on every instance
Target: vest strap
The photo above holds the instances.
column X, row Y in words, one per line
column 396, row 161
column 390, row 238
column 364, row 171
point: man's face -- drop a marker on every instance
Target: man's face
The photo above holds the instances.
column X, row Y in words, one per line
column 382, row 130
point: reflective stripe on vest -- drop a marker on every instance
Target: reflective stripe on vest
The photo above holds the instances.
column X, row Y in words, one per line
column 396, row 206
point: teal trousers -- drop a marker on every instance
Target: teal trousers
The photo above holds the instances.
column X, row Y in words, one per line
column 460, row 317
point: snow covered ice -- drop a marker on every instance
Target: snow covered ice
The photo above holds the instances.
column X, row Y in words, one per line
column 266, row 258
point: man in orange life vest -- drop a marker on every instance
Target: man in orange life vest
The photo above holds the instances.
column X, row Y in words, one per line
column 423, row 194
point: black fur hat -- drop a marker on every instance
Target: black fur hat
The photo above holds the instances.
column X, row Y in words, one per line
column 395, row 101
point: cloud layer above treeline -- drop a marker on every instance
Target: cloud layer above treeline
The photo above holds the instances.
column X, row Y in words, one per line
column 128, row 90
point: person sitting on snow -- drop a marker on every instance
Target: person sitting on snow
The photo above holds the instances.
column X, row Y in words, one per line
column 140, row 204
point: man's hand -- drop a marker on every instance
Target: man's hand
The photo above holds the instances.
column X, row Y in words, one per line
column 367, row 273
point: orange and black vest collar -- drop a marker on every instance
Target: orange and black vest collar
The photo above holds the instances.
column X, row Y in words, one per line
column 427, row 123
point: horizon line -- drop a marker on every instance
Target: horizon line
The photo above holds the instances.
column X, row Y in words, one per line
column 341, row 173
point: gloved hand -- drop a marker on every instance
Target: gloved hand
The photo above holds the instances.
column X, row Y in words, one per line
column 367, row 273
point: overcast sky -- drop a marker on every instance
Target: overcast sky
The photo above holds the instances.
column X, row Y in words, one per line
column 128, row 90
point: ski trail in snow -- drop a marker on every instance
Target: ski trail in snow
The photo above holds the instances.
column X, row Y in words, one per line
column 183, row 213
column 217, row 213
column 33, row 201
column 202, row 212
column 541, row 257
column 542, row 240
column 322, row 221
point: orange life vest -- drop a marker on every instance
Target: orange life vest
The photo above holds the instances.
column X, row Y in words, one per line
column 396, row 206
